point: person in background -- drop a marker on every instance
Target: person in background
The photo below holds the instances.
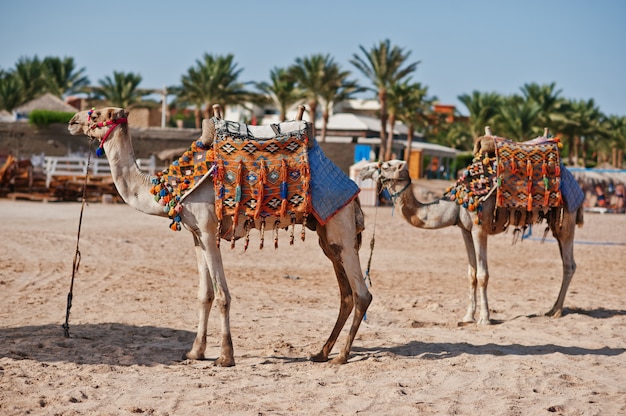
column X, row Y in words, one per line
column 619, row 196
column 600, row 197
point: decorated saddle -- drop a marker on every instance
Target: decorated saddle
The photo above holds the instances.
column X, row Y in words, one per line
column 257, row 172
column 525, row 176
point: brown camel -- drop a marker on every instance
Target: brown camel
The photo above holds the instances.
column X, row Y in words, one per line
column 339, row 238
column 394, row 176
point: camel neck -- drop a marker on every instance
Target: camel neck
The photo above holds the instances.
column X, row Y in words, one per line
column 132, row 184
column 437, row 214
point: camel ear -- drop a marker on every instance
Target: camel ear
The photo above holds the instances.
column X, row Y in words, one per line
column 122, row 113
column 108, row 114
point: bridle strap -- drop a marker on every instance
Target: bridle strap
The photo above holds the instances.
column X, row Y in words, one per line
column 112, row 124
column 404, row 188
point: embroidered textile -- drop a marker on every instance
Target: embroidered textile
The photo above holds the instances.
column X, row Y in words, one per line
column 287, row 172
column 171, row 185
column 475, row 183
column 528, row 175
column 260, row 177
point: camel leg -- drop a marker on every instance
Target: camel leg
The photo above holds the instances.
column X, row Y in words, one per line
column 213, row 257
column 471, row 275
column 566, row 246
column 341, row 245
column 479, row 237
column 212, row 286
column 205, row 299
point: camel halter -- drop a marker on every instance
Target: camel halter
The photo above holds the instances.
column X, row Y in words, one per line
column 112, row 123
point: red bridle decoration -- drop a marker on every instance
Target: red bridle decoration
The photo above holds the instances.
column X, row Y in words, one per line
column 112, row 123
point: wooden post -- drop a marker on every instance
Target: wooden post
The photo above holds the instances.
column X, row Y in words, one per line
column 217, row 111
column 301, row 109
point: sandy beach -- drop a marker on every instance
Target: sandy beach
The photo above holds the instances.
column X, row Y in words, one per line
column 134, row 315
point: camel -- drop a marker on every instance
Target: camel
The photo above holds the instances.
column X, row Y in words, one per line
column 339, row 238
column 394, row 176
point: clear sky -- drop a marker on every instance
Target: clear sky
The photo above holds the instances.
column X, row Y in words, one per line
column 483, row 45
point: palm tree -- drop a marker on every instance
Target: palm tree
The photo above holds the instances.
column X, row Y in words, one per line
column 336, row 87
column 30, row 75
column 616, row 129
column 121, row 90
column 309, row 73
column 582, row 120
column 549, row 100
column 213, row 80
column 518, row 118
column 282, row 91
column 413, row 107
column 383, row 66
column 62, row 77
column 483, row 109
column 10, row 90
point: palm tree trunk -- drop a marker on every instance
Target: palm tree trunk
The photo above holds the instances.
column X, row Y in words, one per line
column 312, row 111
column 198, row 116
column 324, row 123
column 382, row 98
column 389, row 144
column 409, row 142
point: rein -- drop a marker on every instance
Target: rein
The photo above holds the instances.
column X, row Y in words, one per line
column 76, row 261
column 395, row 195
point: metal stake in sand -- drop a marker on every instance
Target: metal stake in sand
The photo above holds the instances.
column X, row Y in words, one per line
column 76, row 262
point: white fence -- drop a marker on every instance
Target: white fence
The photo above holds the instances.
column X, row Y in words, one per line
column 77, row 166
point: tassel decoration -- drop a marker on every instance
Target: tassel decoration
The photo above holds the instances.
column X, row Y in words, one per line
column 247, row 238
column 293, row 227
column 262, row 231
column 276, row 224
column 284, row 170
column 260, row 189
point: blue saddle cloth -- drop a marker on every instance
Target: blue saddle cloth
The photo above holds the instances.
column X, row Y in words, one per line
column 573, row 194
column 331, row 188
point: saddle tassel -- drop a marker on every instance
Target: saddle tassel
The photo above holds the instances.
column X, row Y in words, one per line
column 283, row 188
column 237, row 202
column 260, row 190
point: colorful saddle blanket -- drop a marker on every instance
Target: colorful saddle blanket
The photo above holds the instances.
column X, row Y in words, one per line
column 525, row 176
column 528, row 174
column 260, row 177
column 284, row 174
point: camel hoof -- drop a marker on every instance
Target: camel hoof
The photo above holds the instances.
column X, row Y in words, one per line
column 339, row 360
column 484, row 321
column 224, row 362
column 319, row 358
column 468, row 320
column 555, row 313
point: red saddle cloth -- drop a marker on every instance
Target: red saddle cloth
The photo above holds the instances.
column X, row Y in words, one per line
column 528, row 174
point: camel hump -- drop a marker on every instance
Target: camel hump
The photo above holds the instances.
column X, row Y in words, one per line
column 484, row 144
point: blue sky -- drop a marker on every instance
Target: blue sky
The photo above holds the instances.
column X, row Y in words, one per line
column 488, row 46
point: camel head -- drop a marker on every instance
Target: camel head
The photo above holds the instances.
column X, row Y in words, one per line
column 96, row 123
column 392, row 170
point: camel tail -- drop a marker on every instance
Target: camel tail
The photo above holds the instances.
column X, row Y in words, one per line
column 580, row 216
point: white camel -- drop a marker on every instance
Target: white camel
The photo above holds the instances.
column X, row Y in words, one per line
column 394, row 176
column 339, row 238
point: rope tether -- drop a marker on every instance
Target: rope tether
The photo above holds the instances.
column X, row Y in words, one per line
column 76, row 262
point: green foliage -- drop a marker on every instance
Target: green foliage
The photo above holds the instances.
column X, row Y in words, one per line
column 42, row 118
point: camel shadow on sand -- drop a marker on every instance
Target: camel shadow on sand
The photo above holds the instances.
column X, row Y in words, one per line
column 126, row 345
column 436, row 350
column 102, row 343
column 444, row 350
